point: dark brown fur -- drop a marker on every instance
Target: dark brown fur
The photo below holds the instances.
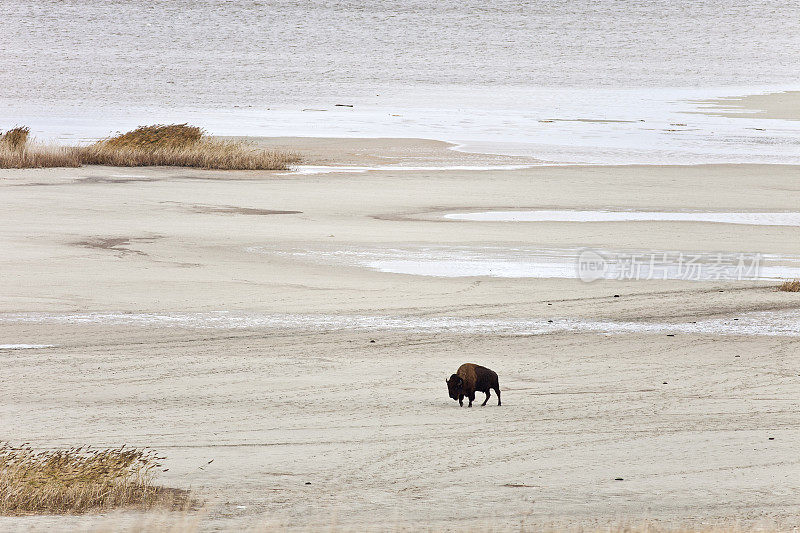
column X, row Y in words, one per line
column 471, row 378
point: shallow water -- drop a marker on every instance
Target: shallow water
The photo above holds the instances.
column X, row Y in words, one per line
column 578, row 263
column 546, row 215
column 565, row 81
column 771, row 323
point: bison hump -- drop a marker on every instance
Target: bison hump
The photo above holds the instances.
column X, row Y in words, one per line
column 468, row 372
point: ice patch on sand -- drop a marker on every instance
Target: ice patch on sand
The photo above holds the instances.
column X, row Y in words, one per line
column 770, row 323
column 24, row 346
column 522, row 262
column 546, row 215
column 325, row 169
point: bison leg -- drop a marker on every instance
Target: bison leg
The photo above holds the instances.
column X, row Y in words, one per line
column 497, row 390
column 488, row 393
column 461, row 400
column 471, row 399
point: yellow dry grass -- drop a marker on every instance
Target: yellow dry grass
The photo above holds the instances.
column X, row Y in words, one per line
column 35, row 155
column 155, row 136
column 790, row 286
column 178, row 145
column 15, row 138
column 81, row 480
column 207, row 154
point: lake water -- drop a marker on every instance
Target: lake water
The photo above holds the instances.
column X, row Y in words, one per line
column 490, row 76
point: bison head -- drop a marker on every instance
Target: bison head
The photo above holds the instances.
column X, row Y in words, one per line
column 454, row 386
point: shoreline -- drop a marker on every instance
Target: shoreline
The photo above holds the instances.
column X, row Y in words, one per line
column 614, row 126
column 376, row 154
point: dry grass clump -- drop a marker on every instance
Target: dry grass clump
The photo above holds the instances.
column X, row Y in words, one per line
column 177, row 145
column 206, row 153
column 17, row 152
column 35, row 155
column 156, row 136
column 16, row 138
column 81, row 480
column 790, row 286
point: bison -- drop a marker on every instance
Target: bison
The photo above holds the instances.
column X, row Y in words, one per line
column 470, row 378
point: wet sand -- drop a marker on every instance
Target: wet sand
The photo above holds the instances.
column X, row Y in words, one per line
column 685, row 420
column 782, row 105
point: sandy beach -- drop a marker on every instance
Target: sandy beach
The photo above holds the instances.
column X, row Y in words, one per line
column 242, row 317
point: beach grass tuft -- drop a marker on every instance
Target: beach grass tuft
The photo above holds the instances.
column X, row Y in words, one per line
column 790, row 286
column 155, row 137
column 82, row 480
column 206, row 153
column 178, row 145
column 15, row 138
column 37, row 155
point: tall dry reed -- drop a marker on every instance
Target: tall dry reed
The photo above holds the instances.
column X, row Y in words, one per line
column 207, row 154
column 15, row 138
column 81, row 480
column 35, row 155
column 156, row 136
